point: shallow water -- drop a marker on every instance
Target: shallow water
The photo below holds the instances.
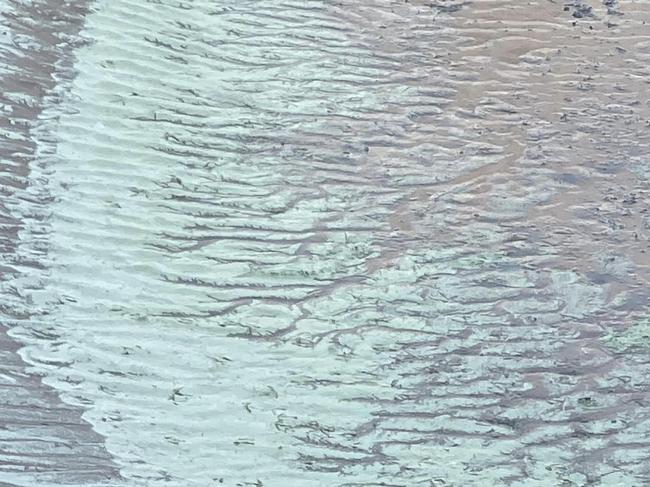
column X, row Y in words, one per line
column 343, row 243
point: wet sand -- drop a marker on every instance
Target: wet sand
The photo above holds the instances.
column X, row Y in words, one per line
column 353, row 243
column 43, row 440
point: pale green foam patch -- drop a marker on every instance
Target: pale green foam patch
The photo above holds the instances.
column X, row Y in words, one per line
column 633, row 337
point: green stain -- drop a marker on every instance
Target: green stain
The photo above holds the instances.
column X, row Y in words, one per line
column 634, row 337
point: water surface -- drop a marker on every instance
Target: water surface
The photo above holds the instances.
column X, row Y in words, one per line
column 346, row 243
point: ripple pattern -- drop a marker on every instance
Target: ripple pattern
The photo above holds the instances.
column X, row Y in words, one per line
column 370, row 243
column 42, row 439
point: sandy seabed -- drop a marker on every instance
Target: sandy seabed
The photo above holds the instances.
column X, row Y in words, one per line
column 314, row 243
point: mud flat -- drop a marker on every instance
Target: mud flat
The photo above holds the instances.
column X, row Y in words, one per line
column 348, row 244
column 42, row 440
